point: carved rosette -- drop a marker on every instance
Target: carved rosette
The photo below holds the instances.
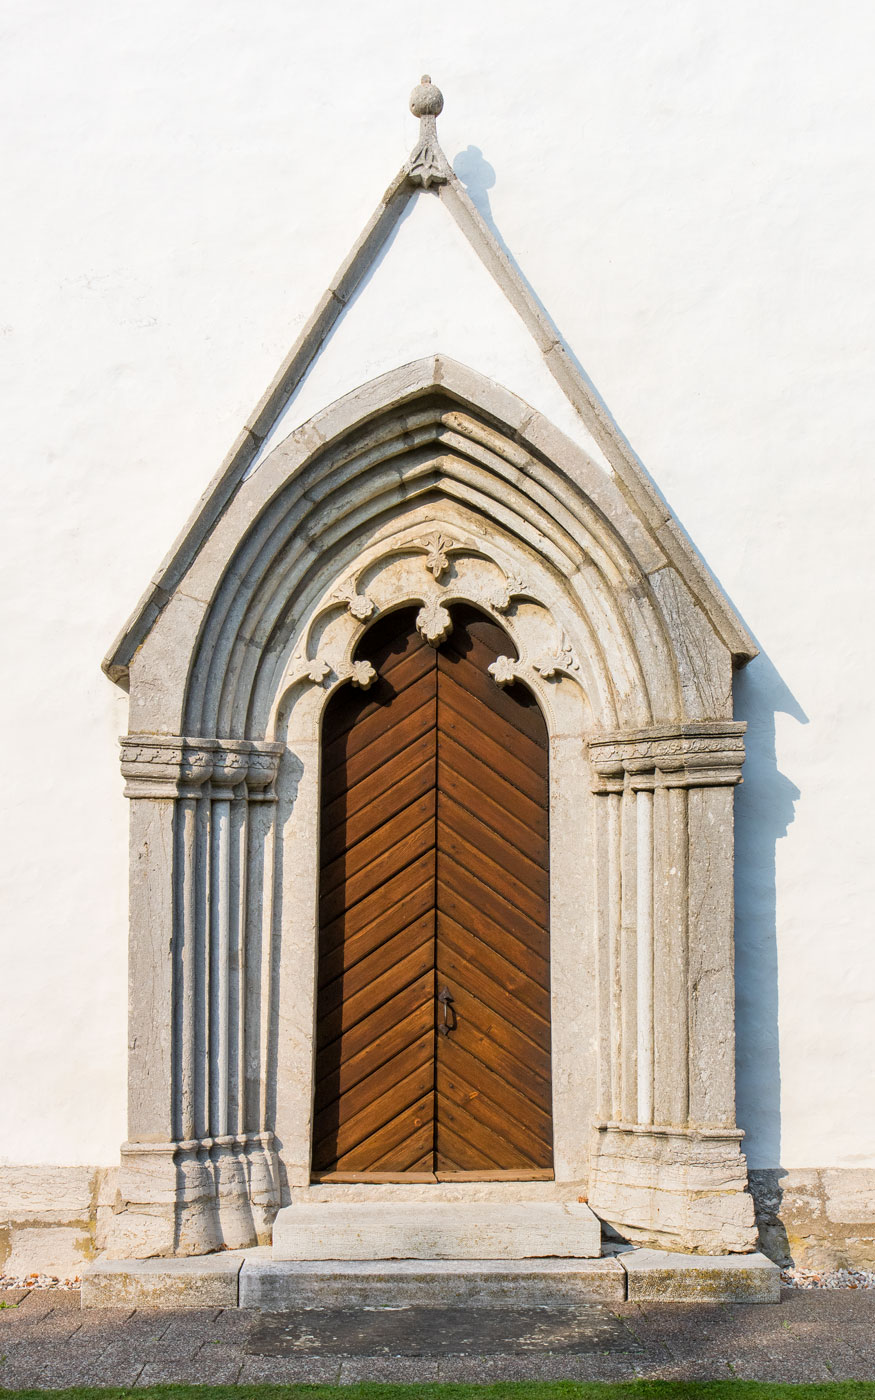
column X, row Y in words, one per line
column 360, row 673
column 686, row 755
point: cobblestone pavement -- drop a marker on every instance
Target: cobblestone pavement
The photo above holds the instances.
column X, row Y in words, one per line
column 819, row 1335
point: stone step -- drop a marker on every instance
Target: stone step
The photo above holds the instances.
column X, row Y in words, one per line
column 278, row 1284
column 436, row 1230
column 252, row 1279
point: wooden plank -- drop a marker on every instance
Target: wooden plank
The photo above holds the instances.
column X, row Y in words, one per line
column 456, row 1153
column 416, row 998
column 354, row 768
column 493, row 1115
column 344, row 954
column 510, row 991
column 489, row 780
column 471, row 1128
column 496, row 1174
column 392, row 681
column 389, row 1147
column 470, row 916
column 372, row 1086
column 465, row 731
column 521, row 713
column 500, row 1047
column 469, row 827
column 365, row 1004
column 341, row 750
column 491, row 709
column 377, row 844
column 338, row 1074
column 348, row 829
column 535, row 1112
column 407, row 850
column 462, row 788
column 352, row 799
column 411, row 1178
column 380, row 904
column 348, row 1130
column 496, row 910
column 380, row 962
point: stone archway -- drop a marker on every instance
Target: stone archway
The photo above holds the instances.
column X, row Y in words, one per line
column 430, row 487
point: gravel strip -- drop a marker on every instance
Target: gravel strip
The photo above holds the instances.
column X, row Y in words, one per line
column 828, row 1278
column 38, row 1281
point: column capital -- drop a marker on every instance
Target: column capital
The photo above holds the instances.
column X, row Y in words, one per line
column 701, row 754
column 171, row 765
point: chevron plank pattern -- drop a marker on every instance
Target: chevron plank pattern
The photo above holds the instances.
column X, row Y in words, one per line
column 434, row 872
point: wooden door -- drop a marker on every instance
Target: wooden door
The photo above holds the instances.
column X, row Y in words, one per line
column 433, row 1016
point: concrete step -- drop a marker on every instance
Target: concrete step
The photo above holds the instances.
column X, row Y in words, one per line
column 279, row 1284
column 450, row 1229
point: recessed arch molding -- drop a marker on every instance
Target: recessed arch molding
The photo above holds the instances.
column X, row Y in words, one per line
column 431, row 486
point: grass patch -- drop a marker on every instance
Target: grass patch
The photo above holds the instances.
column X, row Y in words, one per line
column 509, row 1390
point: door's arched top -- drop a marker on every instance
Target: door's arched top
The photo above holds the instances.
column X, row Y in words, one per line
column 432, row 440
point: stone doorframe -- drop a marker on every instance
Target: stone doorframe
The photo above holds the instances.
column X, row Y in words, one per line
column 430, row 485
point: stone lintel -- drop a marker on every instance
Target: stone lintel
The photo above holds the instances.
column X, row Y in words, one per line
column 171, row 765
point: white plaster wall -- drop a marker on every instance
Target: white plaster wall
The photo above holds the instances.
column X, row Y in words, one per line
column 686, row 187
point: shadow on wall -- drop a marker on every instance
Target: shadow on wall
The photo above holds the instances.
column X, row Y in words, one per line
column 764, row 810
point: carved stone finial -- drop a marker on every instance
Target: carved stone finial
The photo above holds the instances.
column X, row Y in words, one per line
column 427, row 165
column 426, row 100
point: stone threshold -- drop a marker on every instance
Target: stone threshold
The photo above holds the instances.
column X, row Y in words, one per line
column 253, row 1278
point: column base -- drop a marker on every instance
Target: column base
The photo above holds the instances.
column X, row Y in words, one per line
column 676, row 1188
column 191, row 1198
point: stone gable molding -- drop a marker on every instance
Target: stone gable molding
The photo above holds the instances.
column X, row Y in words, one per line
column 428, row 167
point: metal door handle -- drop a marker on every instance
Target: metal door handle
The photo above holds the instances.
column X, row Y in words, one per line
column 449, row 1022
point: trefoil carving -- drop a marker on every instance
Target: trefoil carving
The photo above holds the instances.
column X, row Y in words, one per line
column 433, row 623
column 437, row 557
column 504, row 671
column 563, row 660
column 360, row 673
column 512, row 587
column 359, row 604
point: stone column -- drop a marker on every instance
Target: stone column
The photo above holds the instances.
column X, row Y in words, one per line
column 666, row 1164
column 190, row 1166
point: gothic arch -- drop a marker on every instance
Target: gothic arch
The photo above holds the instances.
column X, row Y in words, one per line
column 430, row 485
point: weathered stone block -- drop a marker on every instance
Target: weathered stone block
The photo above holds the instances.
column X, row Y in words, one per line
column 443, row 1230
column 208, row 1281
column 654, row 1276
